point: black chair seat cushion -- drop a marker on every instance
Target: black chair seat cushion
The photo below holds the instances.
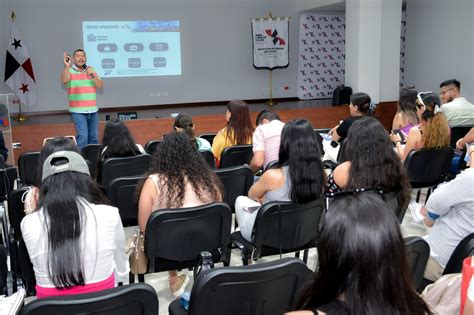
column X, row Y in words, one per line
column 175, row 308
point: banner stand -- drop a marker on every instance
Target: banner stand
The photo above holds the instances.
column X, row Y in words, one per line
column 271, row 102
column 21, row 118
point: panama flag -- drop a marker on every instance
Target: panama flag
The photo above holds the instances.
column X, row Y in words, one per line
column 19, row 75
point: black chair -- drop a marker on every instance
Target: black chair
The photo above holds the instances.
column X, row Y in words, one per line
column 393, row 203
column 208, row 136
column 121, row 193
column 317, row 132
column 282, row 227
column 236, row 155
column 418, row 253
column 20, row 263
column 123, row 167
column 208, row 158
column 92, row 152
column 236, row 181
column 270, row 165
column 464, row 249
column 136, row 299
column 27, row 164
column 458, row 133
column 7, row 181
column 174, row 238
column 267, row 288
column 151, row 146
column 3, row 270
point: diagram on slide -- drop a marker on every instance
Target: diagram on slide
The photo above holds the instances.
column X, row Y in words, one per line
column 133, row 48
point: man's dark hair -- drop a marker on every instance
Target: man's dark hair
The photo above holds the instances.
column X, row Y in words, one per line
column 78, row 50
column 266, row 114
column 451, row 82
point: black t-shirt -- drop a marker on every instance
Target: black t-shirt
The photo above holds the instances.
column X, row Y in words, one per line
column 343, row 128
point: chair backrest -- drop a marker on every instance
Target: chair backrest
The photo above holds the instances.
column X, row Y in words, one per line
column 317, row 132
column 3, row 270
column 287, row 225
column 123, row 167
column 208, row 136
column 391, row 199
column 464, row 249
column 236, row 181
column 458, row 133
column 236, row 155
column 209, row 158
column 428, row 167
column 16, row 211
column 27, row 164
column 136, row 299
column 151, row 146
column 121, row 192
column 91, row 152
column 180, row 235
column 7, row 180
column 265, row 288
column 418, row 253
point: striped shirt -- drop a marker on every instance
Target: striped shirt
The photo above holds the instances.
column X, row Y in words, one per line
column 454, row 203
column 82, row 92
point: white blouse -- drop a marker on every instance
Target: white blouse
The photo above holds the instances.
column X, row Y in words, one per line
column 102, row 244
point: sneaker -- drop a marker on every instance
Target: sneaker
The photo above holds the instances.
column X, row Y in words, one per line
column 178, row 287
column 11, row 305
column 415, row 212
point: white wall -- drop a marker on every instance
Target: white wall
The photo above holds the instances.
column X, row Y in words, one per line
column 440, row 44
column 215, row 47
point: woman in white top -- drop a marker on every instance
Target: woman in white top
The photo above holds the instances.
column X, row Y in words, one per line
column 178, row 177
column 75, row 241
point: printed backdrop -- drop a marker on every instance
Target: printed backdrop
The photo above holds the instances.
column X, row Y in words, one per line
column 322, row 53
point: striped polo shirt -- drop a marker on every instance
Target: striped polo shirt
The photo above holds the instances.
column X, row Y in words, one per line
column 82, row 92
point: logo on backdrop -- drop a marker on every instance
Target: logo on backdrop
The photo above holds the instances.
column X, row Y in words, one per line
column 276, row 39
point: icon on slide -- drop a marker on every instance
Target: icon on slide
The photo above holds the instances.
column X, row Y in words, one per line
column 133, row 47
column 91, row 38
column 159, row 46
column 108, row 63
column 134, row 62
column 107, row 48
column 159, row 62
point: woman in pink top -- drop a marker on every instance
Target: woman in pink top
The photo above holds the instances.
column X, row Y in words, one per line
column 178, row 177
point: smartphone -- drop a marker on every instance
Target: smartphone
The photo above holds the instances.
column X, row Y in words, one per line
column 401, row 134
column 252, row 209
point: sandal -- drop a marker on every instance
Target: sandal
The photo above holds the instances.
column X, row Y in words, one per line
column 179, row 286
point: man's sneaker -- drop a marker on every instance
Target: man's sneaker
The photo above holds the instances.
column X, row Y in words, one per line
column 415, row 212
column 11, row 305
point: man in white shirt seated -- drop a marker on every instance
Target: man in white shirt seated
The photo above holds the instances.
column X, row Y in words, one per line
column 457, row 110
column 266, row 139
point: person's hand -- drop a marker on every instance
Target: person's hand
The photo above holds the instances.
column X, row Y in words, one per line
column 460, row 144
column 332, row 130
column 66, row 59
column 395, row 137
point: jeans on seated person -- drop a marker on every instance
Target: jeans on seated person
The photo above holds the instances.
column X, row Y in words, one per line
column 245, row 218
column 87, row 128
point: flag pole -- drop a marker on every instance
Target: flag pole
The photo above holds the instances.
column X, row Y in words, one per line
column 20, row 117
column 271, row 102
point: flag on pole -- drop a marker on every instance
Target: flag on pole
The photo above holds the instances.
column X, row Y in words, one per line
column 19, row 76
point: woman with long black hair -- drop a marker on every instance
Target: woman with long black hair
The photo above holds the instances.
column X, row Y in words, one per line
column 298, row 176
column 362, row 262
column 75, row 240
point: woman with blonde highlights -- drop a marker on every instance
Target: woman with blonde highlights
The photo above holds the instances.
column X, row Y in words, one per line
column 433, row 131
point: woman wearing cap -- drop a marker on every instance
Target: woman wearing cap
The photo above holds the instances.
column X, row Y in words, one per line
column 433, row 131
column 75, row 240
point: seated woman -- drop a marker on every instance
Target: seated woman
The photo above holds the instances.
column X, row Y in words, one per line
column 433, row 131
column 238, row 131
column 184, row 123
column 117, row 142
column 362, row 262
column 178, row 177
column 360, row 105
column 406, row 116
column 371, row 162
column 75, row 240
column 298, row 176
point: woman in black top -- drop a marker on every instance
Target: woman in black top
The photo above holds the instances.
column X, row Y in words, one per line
column 360, row 105
column 362, row 262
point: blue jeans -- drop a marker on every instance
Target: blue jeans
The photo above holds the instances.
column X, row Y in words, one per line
column 87, row 128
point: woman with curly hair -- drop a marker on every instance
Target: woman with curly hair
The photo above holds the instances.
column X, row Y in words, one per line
column 178, row 178
column 433, row 131
column 371, row 163
column 239, row 129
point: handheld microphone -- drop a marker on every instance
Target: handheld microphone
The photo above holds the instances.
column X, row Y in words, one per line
column 84, row 66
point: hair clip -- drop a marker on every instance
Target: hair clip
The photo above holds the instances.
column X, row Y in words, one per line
column 437, row 109
column 372, row 106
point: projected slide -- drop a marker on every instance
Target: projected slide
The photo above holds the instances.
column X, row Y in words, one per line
column 133, row 48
